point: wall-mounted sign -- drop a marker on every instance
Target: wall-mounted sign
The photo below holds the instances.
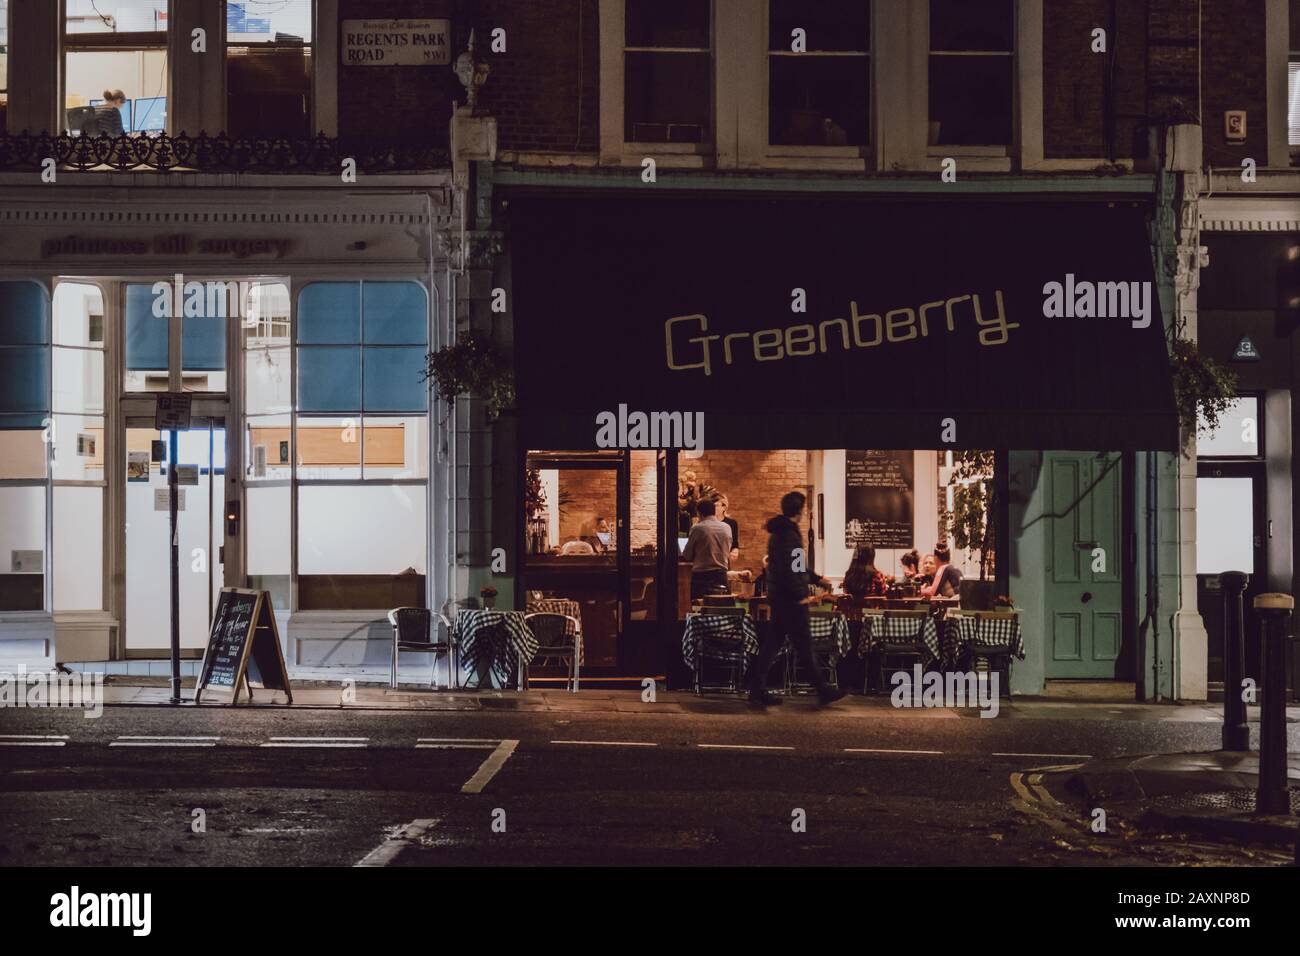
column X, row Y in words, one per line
column 1234, row 126
column 173, row 245
column 1245, row 351
column 137, row 466
column 162, row 501
column 396, row 42
column 187, row 474
column 172, row 411
column 878, row 498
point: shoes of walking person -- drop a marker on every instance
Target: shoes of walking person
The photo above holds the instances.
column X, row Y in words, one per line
column 830, row 695
column 764, row 699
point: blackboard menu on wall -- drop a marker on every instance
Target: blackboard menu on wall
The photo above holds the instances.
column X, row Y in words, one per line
column 879, row 495
column 230, row 629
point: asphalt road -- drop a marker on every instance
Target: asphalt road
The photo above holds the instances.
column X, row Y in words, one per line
column 334, row 787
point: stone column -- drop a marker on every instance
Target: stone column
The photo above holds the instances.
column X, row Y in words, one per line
column 35, row 55
column 196, row 86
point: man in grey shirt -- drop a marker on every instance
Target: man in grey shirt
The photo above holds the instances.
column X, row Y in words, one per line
column 709, row 551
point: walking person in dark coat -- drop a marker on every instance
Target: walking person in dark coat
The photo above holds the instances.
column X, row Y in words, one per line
column 788, row 579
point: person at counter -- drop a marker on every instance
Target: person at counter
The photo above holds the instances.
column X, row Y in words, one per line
column 789, row 579
column 947, row 579
column 863, row 578
column 721, row 502
column 598, row 534
column 709, row 550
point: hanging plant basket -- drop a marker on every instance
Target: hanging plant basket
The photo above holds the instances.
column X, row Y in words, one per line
column 1203, row 389
column 473, row 366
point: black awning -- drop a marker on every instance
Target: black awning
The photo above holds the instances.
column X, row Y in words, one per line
column 915, row 313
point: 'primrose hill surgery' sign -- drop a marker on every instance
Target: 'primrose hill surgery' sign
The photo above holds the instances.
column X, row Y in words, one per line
column 396, row 42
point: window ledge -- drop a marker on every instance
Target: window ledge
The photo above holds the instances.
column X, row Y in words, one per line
column 943, row 151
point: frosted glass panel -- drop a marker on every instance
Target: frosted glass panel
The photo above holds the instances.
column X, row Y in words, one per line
column 267, row 524
column 1225, row 525
column 361, row 530
column 1237, row 435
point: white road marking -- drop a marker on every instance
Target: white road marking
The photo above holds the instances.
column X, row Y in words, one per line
column 1053, row 756
column 494, row 762
column 456, row 743
column 869, row 750
column 319, row 743
column 383, row 854
column 33, row 736
column 741, row 747
column 33, row 740
column 606, row 743
column 161, row 743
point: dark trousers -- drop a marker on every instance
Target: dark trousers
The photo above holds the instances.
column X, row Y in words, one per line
column 789, row 620
column 704, row 582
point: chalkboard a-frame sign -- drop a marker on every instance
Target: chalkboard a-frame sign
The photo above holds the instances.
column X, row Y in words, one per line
column 243, row 646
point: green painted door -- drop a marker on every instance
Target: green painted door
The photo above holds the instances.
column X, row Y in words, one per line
column 1084, row 590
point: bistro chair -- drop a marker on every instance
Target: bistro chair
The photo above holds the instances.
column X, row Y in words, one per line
column 727, row 650
column 722, row 610
column 895, row 653
column 824, row 649
column 995, row 657
column 719, row 600
column 555, row 641
column 411, row 626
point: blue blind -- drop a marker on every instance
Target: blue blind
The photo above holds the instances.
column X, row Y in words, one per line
column 203, row 343
column 24, row 355
column 334, row 318
column 146, row 334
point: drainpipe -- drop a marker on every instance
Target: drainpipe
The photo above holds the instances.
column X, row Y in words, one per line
column 1153, row 576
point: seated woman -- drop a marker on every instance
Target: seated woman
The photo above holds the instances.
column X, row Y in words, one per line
column 947, row 579
column 863, row 579
column 910, row 561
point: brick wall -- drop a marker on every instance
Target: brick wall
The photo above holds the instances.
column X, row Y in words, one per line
column 543, row 90
column 411, row 102
column 593, row 495
column 1235, row 74
column 753, row 482
column 1074, row 78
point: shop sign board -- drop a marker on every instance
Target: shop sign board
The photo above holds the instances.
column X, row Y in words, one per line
column 396, row 42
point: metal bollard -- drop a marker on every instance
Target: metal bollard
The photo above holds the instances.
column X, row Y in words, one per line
column 1236, row 731
column 1275, row 613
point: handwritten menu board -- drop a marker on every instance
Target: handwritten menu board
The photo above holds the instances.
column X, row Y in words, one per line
column 879, row 499
column 243, row 646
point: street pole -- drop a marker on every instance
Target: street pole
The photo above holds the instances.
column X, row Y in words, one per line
column 173, row 491
column 1275, row 613
column 1236, row 731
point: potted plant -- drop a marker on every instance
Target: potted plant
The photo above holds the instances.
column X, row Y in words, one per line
column 973, row 501
column 489, row 595
column 689, row 495
column 473, row 366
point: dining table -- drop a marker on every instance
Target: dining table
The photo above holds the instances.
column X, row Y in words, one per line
column 492, row 644
column 570, row 609
column 881, row 627
column 972, row 632
column 700, row 626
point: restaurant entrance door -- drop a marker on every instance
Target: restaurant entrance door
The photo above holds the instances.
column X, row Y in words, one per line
column 1085, row 578
column 593, row 536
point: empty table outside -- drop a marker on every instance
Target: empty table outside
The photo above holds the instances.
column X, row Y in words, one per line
column 494, row 639
column 718, row 627
column 884, row 628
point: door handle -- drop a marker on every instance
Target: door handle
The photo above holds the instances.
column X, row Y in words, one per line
column 1087, row 596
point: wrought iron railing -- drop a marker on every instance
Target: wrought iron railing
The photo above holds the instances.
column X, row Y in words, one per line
column 320, row 155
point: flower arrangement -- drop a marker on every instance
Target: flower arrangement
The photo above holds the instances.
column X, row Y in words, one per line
column 489, row 595
column 689, row 495
column 473, row 366
column 1003, row 601
column 1203, row 389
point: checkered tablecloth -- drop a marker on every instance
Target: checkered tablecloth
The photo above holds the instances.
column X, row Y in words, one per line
column 834, row 628
column 720, row 627
column 569, row 608
column 973, row 634
column 495, row 639
column 885, row 628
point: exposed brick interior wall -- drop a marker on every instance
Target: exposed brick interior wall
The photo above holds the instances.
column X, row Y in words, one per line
column 411, row 102
column 1074, row 78
column 593, row 495
column 753, row 482
column 543, row 90
column 1234, row 67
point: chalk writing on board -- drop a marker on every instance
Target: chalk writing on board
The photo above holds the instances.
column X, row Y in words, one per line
column 879, row 492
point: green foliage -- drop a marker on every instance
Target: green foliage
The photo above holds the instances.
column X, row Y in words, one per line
column 970, row 521
column 1203, row 390
column 473, row 366
column 689, row 495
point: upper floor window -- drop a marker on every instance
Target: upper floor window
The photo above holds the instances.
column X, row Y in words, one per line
column 972, row 65
column 115, row 66
column 269, row 68
column 667, row 86
column 819, row 72
column 1293, row 78
column 4, row 54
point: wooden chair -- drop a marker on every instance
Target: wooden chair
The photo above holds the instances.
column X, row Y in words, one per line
column 825, row 649
column 555, row 641
column 996, row 659
column 411, row 626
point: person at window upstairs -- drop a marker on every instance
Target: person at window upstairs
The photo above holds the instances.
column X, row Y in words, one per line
column 709, row 550
column 721, row 502
column 108, row 116
column 863, row 578
column 947, row 579
column 788, row 582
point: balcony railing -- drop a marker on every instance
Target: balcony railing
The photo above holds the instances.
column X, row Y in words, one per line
column 321, row 155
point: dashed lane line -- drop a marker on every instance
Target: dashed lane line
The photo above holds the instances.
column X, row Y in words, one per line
column 1049, row 756
column 742, row 747
column 325, row 743
column 871, row 750
column 405, row 836
column 33, row 740
column 606, row 743
column 456, row 743
column 156, row 741
column 488, row 769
